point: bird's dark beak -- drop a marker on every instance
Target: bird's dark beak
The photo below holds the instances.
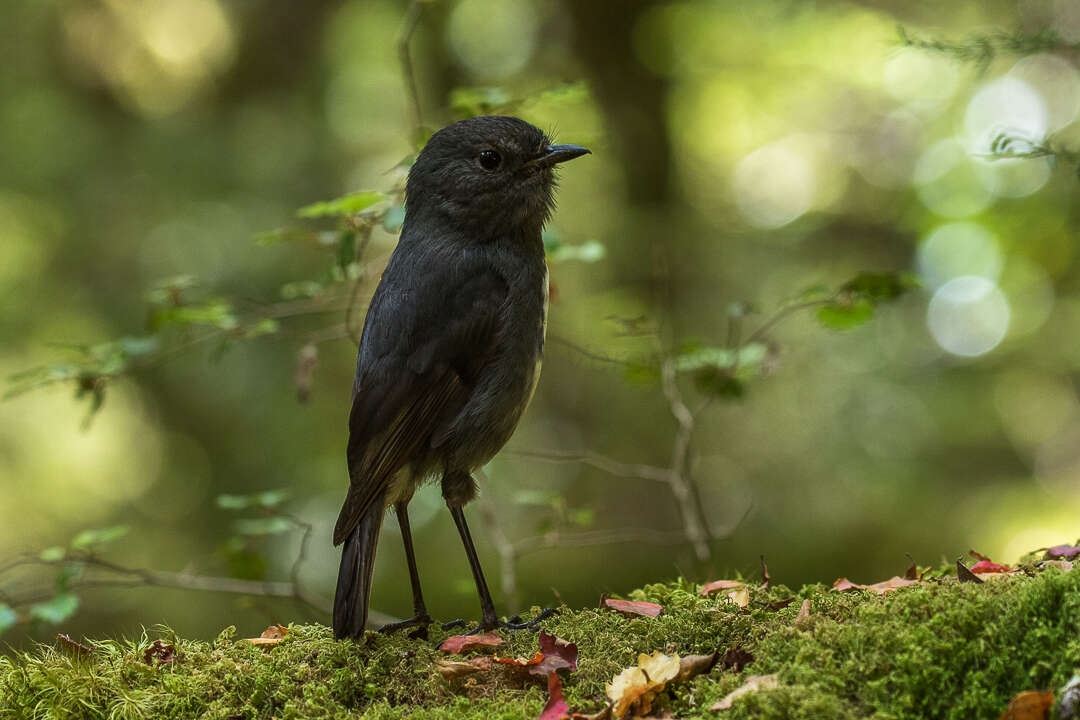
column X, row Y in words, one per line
column 554, row 154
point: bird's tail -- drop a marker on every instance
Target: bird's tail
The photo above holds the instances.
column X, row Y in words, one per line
column 354, row 577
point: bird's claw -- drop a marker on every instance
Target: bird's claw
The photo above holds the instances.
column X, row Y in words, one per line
column 419, row 622
column 514, row 622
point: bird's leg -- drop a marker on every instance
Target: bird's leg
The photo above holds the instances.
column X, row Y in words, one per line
column 420, row 619
column 488, row 619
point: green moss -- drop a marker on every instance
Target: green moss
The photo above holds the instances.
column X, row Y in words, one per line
column 939, row 651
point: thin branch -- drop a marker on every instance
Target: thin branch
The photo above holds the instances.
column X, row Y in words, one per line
column 585, row 352
column 782, row 314
column 404, row 39
column 601, row 462
column 682, row 487
column 590, row 538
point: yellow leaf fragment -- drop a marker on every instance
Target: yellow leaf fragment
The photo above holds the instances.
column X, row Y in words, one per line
column 270, row 636
column 635, row 688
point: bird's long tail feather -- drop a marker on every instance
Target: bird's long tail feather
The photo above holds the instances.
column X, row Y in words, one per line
column 354, row 577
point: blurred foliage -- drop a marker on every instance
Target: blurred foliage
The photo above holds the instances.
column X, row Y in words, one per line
column 739, row 155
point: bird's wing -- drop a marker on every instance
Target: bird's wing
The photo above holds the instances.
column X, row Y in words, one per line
column 426, row 337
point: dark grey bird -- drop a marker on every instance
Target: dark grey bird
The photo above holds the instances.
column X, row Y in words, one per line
column 452, row 344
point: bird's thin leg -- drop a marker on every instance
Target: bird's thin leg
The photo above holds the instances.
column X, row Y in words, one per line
column 488, row 619
column 420, row 619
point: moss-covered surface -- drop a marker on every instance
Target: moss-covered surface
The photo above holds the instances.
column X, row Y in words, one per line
column 947, row 650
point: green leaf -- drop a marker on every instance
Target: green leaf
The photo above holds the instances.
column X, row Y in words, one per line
column 393, row 219
column 89, row 538
column 56, row 610
column 301, row 288
column 266, row 326
column 215, row 313
column 67, row 573
column 52, row 554
column 264, row 526
column 583, row 517
column 467, row 102
column 233, row 502
column 880, row 287
column 346, row 248
column 718, row 382
column 845, row 316
column 8, row 618
column 351, row 204
column 748, row 356
column 590, row 252
column 271, row 498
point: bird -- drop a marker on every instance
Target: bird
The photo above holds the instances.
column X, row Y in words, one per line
column 451, row 348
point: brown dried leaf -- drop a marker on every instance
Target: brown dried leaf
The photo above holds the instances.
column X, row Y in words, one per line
column 690, row 666
column 161, row 651
column 76, row 648
column 461, row 643
column 752, row 684
column 1029, row 705
column 881, row 588
column 803, row 616
column 765, row 578
column 779, row 604
column 270, row 636
column 632, row 607
column 721, row 585
column 1063, row 565
column 739, row 596
column 451, row 669
column 736, row 659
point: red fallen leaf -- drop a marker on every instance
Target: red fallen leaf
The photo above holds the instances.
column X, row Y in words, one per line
column 461, row 643
column 633, row 607
column 558, row 655
column 1029, row 705
column 1066, row 552
column 985, row 565
column 520, row 662
column 844, row 584
column 556, row 705
column 721, row 585
column 164, row 652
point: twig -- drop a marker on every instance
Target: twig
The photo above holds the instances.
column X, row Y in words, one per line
column 404, row 39
column 601, row 462
column 782, row 314
column 585, row 352
column 682, row 487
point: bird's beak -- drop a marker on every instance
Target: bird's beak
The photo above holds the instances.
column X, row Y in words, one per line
column 554, row 154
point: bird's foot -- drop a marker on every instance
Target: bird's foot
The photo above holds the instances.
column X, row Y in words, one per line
column 419, row 622
column 513, row 622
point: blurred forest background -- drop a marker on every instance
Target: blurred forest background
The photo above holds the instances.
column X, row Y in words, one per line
column 749, row 159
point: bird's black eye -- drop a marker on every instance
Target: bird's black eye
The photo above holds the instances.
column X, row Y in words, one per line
column 490, row 160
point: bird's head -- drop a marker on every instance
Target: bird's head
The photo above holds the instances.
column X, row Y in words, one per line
column 488, row 174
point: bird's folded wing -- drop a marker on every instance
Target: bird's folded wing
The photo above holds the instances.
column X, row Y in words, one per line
column 421, row 352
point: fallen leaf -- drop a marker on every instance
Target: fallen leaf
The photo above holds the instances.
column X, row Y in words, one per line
column 736, row 659
column 690, row 666
column 270, row 636
column 965, row 575
column 556, row 705
column 451, row 669
column 163, row 652
column 803, row 616
column 1063, row 565
column 1029, row 705
column 1069, row 705
column 1066, row 552
column 632, row 607
column 721, row 585
column 604, row 714
column 557, row 654
column 520, row 662
column 461, row 643
column 76, row 648
column 752, row 684
column 912, row 572
column 881, row 588
column 739, row 596
column 985, row 565
column 779, row 604
column 765, row 579
column 635, row 688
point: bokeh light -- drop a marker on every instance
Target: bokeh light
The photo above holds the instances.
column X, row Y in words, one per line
column 968, row 316
column 924, row 82
column 1007, row 105
column 774, row 185
column 493, row 38
column 956, row 249
column 947, row 181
